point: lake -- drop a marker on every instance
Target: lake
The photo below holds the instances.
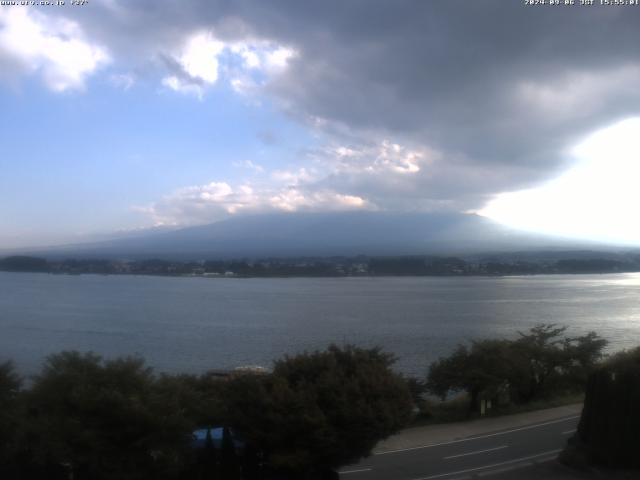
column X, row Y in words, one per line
column 181, row 324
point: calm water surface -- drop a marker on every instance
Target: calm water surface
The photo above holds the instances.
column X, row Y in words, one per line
column 195, row 324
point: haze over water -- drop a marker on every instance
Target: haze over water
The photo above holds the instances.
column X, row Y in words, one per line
column 196, row 324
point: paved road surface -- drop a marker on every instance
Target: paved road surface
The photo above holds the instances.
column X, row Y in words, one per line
column 471, row 457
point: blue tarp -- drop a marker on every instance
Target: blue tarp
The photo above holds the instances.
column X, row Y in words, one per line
column 200, row 437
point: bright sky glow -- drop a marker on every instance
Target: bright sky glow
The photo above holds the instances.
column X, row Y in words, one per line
column 597, row 199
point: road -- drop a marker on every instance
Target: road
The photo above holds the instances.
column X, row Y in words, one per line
column 471, row 457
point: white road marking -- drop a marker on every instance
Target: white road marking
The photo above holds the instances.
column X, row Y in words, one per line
column 476, row 452
column 515, row 460
column 528, row 427
column 544, row 460
column 509, row 468
column 355, row 471
column 569, row 432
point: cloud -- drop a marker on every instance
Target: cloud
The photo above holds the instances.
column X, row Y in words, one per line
column 404, row 177
column 195, row 66
column 461, row 78
column 122, row 80
column 249, row 55
column 292, row 199
column 412, row 105
column 54, row 47
column 294, row 177
column 577, row 94
column 385, row 157
column 248, row 63
column 596, row 199
column 490, row 85
column 382, row 176
column 249, row 165
column 199, row 59
column 277, row 59
column 214, row 201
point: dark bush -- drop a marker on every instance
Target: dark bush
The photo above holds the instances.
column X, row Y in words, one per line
column 609, row 429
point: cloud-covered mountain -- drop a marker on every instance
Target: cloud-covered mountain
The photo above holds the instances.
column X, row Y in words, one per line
column 321, row 234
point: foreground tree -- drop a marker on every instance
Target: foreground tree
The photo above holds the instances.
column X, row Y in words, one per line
column 609, row 429
column 10, row 411
column 481, row 369
column 104, row 419
column 584, row 354
column 540, row 362
column 320, row 410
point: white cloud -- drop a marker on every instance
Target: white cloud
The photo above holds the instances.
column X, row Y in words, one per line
column 243, row 84
column 198, row 62
column 294, row 199
column 200, row 57
column 122, row 80
column 278, row 59
column 182, row 86
column 383, row 158
column 295, row 177
column 201, row 204
column 249, row 165
column 249, row 55
column 54, row 47
column 392, row 156
column 204, row 57
column 337, row 178
column 58, row 50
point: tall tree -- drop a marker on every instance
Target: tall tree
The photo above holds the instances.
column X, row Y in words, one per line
column 483, row 369
column 322, row 409
column 103, row 418
column 539, row 362
column 10, row 417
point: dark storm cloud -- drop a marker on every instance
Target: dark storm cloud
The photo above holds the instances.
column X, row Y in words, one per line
column 449, row 73
column 497, row 88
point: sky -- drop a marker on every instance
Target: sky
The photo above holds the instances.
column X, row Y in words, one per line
column 119, row 116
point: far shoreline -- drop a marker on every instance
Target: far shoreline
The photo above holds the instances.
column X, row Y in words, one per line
column 247, row 277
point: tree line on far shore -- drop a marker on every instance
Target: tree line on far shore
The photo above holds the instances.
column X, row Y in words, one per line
column 98, row 419
column 415, row 265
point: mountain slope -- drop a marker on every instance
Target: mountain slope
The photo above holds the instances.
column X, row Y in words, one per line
column 321, row 234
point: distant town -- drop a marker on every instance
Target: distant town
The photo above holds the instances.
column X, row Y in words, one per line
column 530, row 263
